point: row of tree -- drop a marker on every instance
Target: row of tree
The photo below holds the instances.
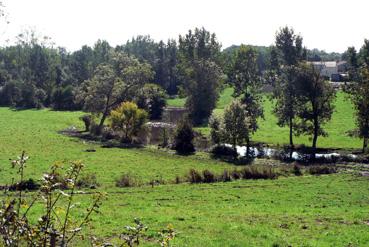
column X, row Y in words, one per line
column 97, row 79
column 304, row 101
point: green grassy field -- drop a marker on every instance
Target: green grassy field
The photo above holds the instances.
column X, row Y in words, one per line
column 329, row 210
column 269, row 132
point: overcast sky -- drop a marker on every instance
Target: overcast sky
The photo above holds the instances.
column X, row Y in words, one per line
column 331, row 25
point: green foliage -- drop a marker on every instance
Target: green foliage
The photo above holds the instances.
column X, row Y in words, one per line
column 334, row 214
column 288, row 54
column 183, row 139
column 54, row 227
column 290, row 46
column 152, row 98
column 248, row 86
column 203, row 80
column 215, row 129
column 199, row 56
column 316, row 96
column 236, row 125
column 359, row 95
column 128, row 119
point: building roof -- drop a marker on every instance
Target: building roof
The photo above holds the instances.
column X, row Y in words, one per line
column 330, row 64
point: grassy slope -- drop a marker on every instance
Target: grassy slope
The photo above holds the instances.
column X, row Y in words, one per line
column 270, row 132
column 36, row 132
column 307, row 211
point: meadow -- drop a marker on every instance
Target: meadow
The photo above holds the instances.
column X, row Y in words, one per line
column 326, row 210
column 270, row 133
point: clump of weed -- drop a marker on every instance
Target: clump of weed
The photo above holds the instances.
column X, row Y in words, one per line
column 253, row 172
column 88, row 180
column 194, row 176
column 318, row 170
column 225, row 176
column 126, row 180
column 208, row 176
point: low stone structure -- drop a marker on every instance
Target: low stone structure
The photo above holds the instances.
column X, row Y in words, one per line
column 174, row 114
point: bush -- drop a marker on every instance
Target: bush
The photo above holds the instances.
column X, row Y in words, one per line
column 128, row 119
column 126, row 180
column 183, row 141
column 88, row 181
column 318, row 170
column 194, row 176
column 218, row 151
column 254, row 172
column 208, row 177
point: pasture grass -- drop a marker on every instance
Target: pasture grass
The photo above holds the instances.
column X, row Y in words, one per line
column 327, row 210
column 343, row 120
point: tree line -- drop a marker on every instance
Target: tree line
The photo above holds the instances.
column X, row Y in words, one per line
column 98, row 79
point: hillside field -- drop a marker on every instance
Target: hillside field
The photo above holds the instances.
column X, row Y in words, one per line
column 342, row 121
column 327, row 210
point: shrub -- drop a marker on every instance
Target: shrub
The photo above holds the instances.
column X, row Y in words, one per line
column 215, row 129
column 126, row 180
column 318, row 170
column 88, row 181
column 17, row 211
column 128, row 119
column 183, row 141
column 254, row 172
column 208, row 176
column 223, row 151
column 194, row 176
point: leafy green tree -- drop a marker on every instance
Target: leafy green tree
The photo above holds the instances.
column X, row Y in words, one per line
column 236, row 126
column 112, row 84
column 199, row 54
column 352, row 61
column 364, row 53
column 103, row 90
column 216, row 132
column 199, row 44
column 129, row 119
column 203, row 81
column 152, row 98
column 183, row 139
column 289, row 47
column 317, row 103
column 359, row 95
column 248, row 85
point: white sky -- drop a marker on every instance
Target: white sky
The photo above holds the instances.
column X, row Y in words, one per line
column 332, row 25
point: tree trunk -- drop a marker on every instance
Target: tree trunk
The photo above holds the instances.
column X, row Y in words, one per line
column 365, row 145
column 247, row 148
column 102, row 121
column 291, row 138
column 235, row 149
column 315, row 137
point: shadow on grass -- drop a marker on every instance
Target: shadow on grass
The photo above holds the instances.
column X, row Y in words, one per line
column 103, row 142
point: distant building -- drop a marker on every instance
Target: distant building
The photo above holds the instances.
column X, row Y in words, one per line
column 333, row 70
